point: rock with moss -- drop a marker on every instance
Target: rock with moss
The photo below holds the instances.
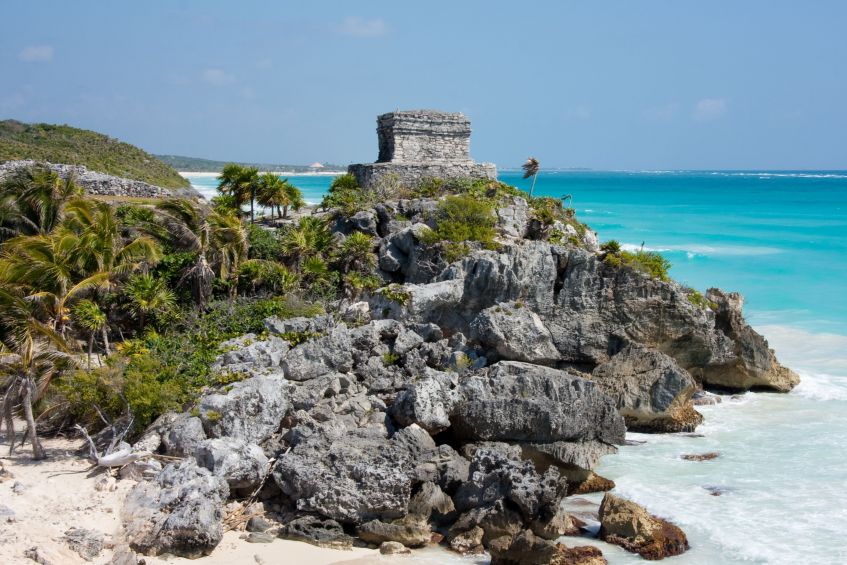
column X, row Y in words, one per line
column 249, row 410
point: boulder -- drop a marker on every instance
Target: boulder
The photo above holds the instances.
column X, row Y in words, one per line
column 652, row 392
column 322, row 532
column 182, row 435
column 514, row 401
column 407, row 532
column 250, row 355
column 319, row 356
column 141, row 470
column 625, row 523
column 241, row 464
column 180, row 512
column 430, row 503
column 513, row 219
column 468, row 542
column 514, row 333
column 393, row 548
column 86, row 543
column 427, row 402
column 358, row 475
column 419, row 302
column 299, row 325
column 527, row 549
column 250, row 410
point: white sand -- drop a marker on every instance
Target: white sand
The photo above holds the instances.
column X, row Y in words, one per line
column 59, row 493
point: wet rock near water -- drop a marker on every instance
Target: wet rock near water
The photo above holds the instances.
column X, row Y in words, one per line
column 625, row 523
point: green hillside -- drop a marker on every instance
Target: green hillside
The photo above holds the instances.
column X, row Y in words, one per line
column 98, row 152
column 195, row 164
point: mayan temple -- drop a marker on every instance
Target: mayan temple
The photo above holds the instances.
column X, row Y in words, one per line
column 419, row 144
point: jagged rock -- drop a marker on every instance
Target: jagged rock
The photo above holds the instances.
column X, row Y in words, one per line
column 248, row 354
column 528, row 549
column 495, row 520
column 468, row 542
column 399, row 251
column 592, row 483
column 451, row 467
column 625, row 523
column 700, row 456
column 393, row 548
column 260, row 537
column 494, row 476
column 250, row 410
column 407, row 532
column 515, row 333
column 431, row 503
column 515, row 401
column 182, row 435
column 357, row 475
column 406, row 341
column 753, row 364
column 87, row 543
column 123, row 555
column 513, row 219
column 574, row 459
column 364, row 221
column 422, row 302
column 704, row 398
column 179, row 513
column 321, row 532
column 652, row 392
column 299, row 325
column 241, row 464
column 319, row 356
column 427, row 403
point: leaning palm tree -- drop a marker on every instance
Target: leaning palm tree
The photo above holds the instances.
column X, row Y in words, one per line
column 31, row 354
column 147, row 295
column 219, row 241
column 274, row 192
column 87, row 315
column 530, row 169
column 241, row 183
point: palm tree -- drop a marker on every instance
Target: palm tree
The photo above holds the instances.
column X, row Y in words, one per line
column 147, row 295
column 219, row 241
column 276, row 192
column 88, row 315
column 357, row 253
column 309, row 238
column 530, row 169
column 33, row 201
column 47, row 267
column 241, row 183
column 31, row 354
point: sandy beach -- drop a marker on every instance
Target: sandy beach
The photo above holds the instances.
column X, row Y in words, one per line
column 281, row 173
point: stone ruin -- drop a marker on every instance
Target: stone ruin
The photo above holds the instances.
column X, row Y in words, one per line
column 419, row 144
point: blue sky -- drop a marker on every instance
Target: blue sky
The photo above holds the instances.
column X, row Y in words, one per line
column 631, row 84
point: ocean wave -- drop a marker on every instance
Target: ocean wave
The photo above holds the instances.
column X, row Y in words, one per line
column 819, row 386
column 766, row 174
column 694, row 250
column 808, row 352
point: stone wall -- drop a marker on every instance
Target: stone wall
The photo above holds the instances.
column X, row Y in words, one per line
column 100, row 184
column 419, row 144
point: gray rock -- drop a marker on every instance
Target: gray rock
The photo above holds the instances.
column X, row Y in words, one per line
column 319, row 356
column 431, row 503
column 248, row 354
column 241, row 464
column 406, row 341
column 250, row 410
column 527, row 403
column 427, row 403
column 86, row 543
column 357, row 475
column 495, row 521
column 514, row 333
column 141, row 470
column 322, row 532
column 299, row 325
column 182, row 436
column 652, row 392
column 258, row 524
column 425, row 302
column 393, row 548
column 574, row 459
column 260, row 537
column 513, row 219
column 179, row 513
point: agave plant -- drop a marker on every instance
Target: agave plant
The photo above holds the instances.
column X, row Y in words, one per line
column 530, row 169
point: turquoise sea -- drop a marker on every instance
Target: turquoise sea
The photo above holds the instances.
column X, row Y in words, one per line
column 780, row 238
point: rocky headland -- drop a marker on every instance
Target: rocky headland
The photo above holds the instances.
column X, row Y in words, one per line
column 460, row 403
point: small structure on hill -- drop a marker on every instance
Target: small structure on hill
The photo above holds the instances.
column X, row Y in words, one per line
column 419, row 144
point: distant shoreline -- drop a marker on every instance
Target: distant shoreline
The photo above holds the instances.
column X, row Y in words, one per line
column 187, row 174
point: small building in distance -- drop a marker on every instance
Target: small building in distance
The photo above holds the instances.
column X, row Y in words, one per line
column 419, row 144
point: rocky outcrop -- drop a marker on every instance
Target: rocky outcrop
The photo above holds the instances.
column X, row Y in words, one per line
column 179, row 513
column 521, row 402
column 250, row 410
column 515, row 333
column 651, row 391
column 625, row 523
column 527, row 549
column 100, row 184
column 241, row 464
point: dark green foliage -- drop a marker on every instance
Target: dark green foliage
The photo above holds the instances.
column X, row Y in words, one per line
column 66, row 144
column 611, row 246
column 264, row 244
column 491, row 190
column 649, row 262
column 698, row 300
column 346, row 196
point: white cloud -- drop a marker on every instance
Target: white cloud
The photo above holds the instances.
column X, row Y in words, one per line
column 217, row 77
column 36, row 54
column 709, row 109
column 360, row 27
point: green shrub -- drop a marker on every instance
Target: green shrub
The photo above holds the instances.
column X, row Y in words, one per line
column 649, row 262
column 460, row 219
column 296, row 338
column 611, row 246
column 396, row 293
column 264, row 243
column 697, row 299
column 389, row 359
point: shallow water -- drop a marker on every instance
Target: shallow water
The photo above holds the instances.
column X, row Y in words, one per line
column 780, row 238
